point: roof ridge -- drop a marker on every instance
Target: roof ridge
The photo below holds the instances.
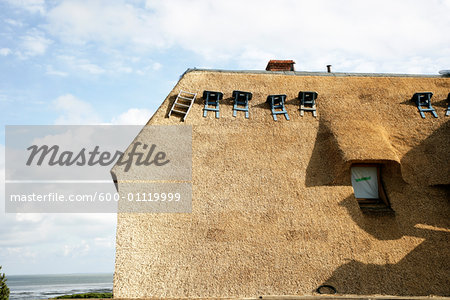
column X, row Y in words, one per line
column 309, row 73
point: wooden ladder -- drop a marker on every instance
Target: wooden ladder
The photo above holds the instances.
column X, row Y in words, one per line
column 183, row 103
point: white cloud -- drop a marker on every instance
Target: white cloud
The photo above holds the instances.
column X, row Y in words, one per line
column 156, row 66
column 150, row 67
column 106, row 22
column 253, row 58
column 123, row 69
column 374, row 33
column 84, row 65
column 74, row 111
column 91, row 68
column 5, row 51
column 28, row 217
column 75, row 250
column 104, row 242
column 447, row 3
column 52, row 240
column 33, row 43
column 32, row 242
column 32, row 229
column 13, row 22
column 32, row 6
column 23, row 254
column 51, row 71
column 133, row 116
column 305, row 30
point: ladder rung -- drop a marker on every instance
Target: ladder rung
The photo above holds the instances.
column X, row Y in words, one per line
column 181, row 104
column 279, row 112
column 179, row 111
column 183, row 92
column 190, row 99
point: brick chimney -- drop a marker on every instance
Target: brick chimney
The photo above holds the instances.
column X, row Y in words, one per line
column 280, row 65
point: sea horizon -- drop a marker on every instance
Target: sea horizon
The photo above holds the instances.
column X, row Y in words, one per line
column 74, row 273
column 45, row 286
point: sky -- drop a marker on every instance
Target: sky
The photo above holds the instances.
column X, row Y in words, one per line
column 114, row 61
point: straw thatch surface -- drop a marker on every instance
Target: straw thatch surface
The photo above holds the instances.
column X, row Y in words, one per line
column 318, row 297
column 273, row 208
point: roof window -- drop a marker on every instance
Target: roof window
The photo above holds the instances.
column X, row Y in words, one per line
column 277, row 102
column 423, row 103
column 212, row 102
column 307, row 102
column 241, row 98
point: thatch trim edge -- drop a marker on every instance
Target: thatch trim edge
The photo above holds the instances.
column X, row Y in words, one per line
column 307, row 73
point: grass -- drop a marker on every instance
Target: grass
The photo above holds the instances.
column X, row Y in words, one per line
column 86, row 295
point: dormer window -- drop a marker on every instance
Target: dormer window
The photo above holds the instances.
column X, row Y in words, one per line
column 368, row 187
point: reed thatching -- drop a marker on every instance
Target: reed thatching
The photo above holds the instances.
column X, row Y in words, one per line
column 274, row 211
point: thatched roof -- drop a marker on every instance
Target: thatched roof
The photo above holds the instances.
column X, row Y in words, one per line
column 277, row 215
column 370, row 118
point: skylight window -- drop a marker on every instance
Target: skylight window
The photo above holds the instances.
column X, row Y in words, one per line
column 423, row 103
column 277, row 102
column 241, row 99
column 212, row 102
column 307, row 102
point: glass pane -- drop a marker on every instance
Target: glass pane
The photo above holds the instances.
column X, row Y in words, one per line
column 365, row 182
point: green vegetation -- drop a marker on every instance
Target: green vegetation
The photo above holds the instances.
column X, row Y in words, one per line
column 87, row 295
column 4, row 290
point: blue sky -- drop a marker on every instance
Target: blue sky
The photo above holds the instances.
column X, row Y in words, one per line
column 98, row 61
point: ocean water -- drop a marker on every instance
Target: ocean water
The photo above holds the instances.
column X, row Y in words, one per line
column 49, row 286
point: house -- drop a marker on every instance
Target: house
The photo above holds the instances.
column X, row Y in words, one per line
column 281, row 207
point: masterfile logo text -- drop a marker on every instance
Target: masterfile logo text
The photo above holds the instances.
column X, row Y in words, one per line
column 85, row 167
